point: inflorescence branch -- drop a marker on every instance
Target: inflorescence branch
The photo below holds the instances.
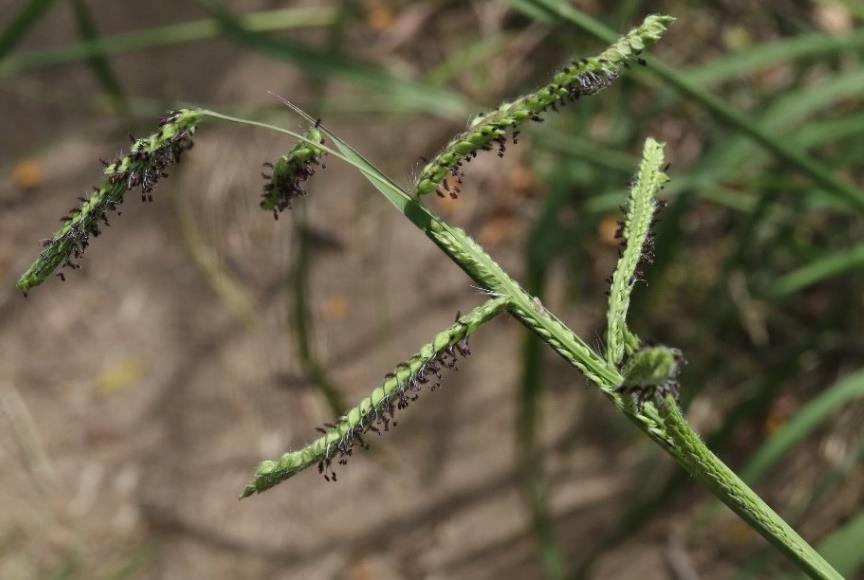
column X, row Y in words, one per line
column 636, row 249
column 376, row 412
column 583, row 77
column 146, row 163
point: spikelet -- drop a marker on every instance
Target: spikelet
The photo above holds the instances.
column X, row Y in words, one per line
column 652, row 374
column 146, row 163
column 288, row 175
column 582, row 78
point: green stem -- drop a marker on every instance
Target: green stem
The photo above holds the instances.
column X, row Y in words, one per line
column 732, row 491
column 670, row 431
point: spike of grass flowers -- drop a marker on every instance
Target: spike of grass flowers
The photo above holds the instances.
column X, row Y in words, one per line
column 583, row 77
column 375, row 412
column 652, row 373
column 637, row 249
column 285, row 183
column 145, row 164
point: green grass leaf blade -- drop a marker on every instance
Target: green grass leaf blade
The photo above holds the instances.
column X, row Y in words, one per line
column 829, row 265
column 533, row 10
column 808, row 419
column 174, row 34
column 21, row 24
column 843, row 547
column 99, row 64
column 764, row 55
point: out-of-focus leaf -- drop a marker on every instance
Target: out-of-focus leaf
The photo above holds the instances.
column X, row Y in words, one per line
column 22, row 23
column 99, row 64
column 844, row 547
column 828, row 265
column 531, row 9
column 264, row 21
column 766, row 54
column 421, row 96
column 806, row 420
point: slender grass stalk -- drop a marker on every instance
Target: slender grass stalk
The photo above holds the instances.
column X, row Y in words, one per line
column 301, row 319
column 732, row 491
column 674, row 435
column 375, row 412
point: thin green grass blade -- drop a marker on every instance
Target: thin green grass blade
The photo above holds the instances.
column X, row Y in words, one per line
column 468, row 58
column 764, row 55
column 420, row 96
column 831, row 131
column 843, row 547
column 531, row 9
column 729, row 156
column 99, row 64
column 806, row 420
column 21, row 24
column 396, row 194
column 264, row 21
column 828, row 265
column 345, row 152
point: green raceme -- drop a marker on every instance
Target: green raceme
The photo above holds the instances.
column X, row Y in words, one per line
column 376, row 412
column 582, row 78
column 145, row 164
column 286, row 181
